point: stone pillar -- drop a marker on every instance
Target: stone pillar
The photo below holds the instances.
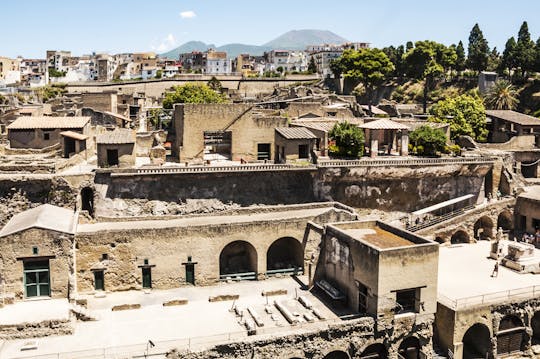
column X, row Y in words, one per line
column 404, row 150
column 374, row 148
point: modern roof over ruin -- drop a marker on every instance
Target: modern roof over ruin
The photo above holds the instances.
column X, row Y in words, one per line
column 117, row 137
column 35, row 122
column 384, row 124
column 45, row 216
column 514, row 117
column 295, row 133
column 75, row 135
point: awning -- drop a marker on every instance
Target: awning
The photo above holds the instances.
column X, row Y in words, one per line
column 75, row 135
column 442, row 205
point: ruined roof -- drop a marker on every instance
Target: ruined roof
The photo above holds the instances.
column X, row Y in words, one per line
column 531, row 192
column 384, row 124
column 117, row 137
column 295, row 133
column 34, row 122
column 315, row 125
column 45, row 216
column 75, row 135
column 116, row 115
column 375, row 110
column 514, row 117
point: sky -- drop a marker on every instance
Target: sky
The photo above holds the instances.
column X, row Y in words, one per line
column 31, row 27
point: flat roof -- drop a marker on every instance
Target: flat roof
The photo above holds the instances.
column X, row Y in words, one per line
column 514, row 117
column 378, row 237
column 465, row 275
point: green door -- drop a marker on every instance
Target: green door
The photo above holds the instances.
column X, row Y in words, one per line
column 190, row 273
column 99, row 281
column 37, row 279
column 147, row 278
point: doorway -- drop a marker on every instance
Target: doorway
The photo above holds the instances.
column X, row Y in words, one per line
column 190, row 273
column 147, row 277
column 112, row 157
column 99, row 280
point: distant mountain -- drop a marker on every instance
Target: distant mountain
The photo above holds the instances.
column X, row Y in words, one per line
column 292, row 40
column 300, row 39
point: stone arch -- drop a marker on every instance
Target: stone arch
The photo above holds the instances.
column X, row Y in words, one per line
column 505, row 220
column 511, row 336
column 337, row 354
column 535, row 326
column 375, row 351
column 440, row 240
column 483, row 228
column 238, row 257
column 477, row 342
column 285, row 253
column 460, row 236
column 87, row 200
column 409, row 348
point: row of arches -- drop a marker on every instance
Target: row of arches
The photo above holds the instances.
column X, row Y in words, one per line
column 512, row 337
column 284, row 254
column 409, row 348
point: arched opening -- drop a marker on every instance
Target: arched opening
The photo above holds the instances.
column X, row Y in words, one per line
column 511, row 335
column 285, row 255
column 238, row 260
column 460, row 237
column 87, row 200
column 440, row 240
column 505, row 221
column 483, row 228
column 477, row 342
column 409, row 348
column 535, row 325
column 337, row 354
column 375, row 351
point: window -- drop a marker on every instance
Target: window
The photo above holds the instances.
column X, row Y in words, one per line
column 407, row 300
column 35, row 250
column 263, row 151
column 36, row 279
column 46, row 136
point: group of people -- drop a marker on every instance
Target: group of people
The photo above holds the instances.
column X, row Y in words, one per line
column 530, row 238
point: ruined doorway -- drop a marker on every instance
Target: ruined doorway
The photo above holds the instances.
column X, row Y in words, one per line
column 460, row 237
column 477, row 342
column 303, row 151
column 337, row 354
column 69, row 146
column 285, row 256
column 511, row 335
column 99, row 280
column 483, row 228
column 87, row 200
column 112, row 157
column 217, row 145
column 409, row 348
column 238, row 260
column 505, row 221
column 375, row 351
column 535, row 326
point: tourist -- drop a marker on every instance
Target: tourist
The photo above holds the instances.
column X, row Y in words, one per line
column 495, row 272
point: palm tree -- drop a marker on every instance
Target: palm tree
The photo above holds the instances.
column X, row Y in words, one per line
column 502, row 96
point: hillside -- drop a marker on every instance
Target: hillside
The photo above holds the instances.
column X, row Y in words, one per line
column 292, row 40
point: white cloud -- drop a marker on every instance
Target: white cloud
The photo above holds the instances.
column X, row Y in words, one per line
column 189, row 14
column 166, row 44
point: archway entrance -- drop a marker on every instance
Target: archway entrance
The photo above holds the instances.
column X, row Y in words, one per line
column 477, row 342
column 505, row 221
column 439, row 240
column 337, row 354
column 87, row 200
column 535, row 325
column 511, row 335
column 409, row 348
column 483, row 228
column 238, row 261
column 375, row 351
column 460, row 237
column 285, row 256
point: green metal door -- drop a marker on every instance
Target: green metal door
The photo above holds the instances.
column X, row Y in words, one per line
column 190, row 273
column 147, row 278
column 37, row 279
column 99, row 280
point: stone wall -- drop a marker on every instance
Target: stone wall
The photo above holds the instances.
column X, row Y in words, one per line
column 36, row 330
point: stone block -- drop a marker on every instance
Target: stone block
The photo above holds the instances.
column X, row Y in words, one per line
column 117, row 308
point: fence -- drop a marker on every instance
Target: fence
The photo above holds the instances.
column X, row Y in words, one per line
column 404, row 162
column 491, row 298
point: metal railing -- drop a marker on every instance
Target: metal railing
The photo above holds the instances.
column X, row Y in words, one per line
column 286, row 271
column 439, row 219
column 238, row 276
column 405, row 161
column 490, row 298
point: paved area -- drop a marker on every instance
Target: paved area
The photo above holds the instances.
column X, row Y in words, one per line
column 30, row 311
column 197, row 324
column 465, row 271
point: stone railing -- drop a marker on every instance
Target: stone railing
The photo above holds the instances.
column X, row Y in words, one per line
column 405, row 161
column 202, row 169
column 520, row 294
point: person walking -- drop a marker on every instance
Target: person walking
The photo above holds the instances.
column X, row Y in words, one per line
column 495, row 272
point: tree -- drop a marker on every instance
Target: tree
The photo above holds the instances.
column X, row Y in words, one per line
column 426, row 62
column 465, row 114
column 409, row 46
column 524, row 51
column 509, row 56
column 428, row 141
column 502, row 96
column 367, row 66
column 192, row 93
column 214, row 84
column 336, row 67
column 461, row 59
column 494, row 60
column 478, row 50
column 312, row 67
column 395, row 54
column 537, row 56
column 348, row 138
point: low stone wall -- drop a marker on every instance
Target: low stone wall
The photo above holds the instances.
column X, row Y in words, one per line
column 36, row 330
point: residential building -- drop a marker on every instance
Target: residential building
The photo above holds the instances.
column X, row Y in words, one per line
column 287, row 60
column 217, row 63
column 9, row 70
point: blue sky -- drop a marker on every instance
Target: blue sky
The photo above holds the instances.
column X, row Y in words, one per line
column 33, row 26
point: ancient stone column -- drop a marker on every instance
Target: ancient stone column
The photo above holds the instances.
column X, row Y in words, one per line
column 404, row 150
